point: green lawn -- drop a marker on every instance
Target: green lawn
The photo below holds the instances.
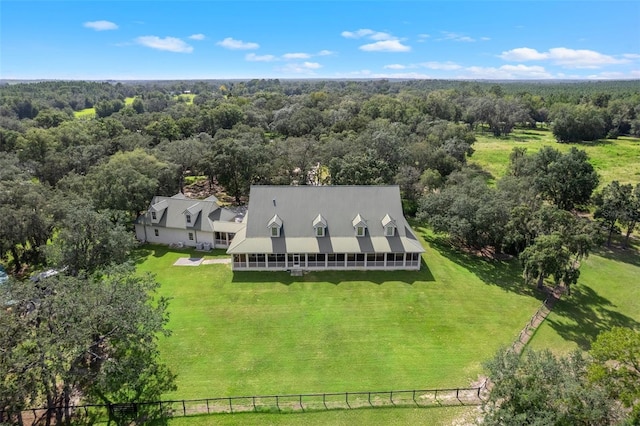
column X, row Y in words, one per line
column 378, row 416
column 264, row 333
column 607, row 295
column 613, row 159
column 91, row 112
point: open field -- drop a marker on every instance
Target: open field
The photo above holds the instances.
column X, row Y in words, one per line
column 91, row 112
column 262, row 333
column 613, row 159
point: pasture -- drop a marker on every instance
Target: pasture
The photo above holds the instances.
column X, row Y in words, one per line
column 613, row 159
column 91, row 112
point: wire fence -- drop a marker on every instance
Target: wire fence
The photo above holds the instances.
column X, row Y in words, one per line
column 140, row 412
column 536, row 319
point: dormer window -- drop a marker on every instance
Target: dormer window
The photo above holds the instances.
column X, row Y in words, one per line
column 360, row 226
column 275, row 225
column 154, row 216
column 389, row 226
column 319, row 226
column 188, row 218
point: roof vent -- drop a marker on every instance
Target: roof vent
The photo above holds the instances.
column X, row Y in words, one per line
column 274, row 201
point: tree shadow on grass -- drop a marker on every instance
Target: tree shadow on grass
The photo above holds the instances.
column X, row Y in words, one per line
column 506, row 274
column 584, row 315
column 336, row 277
column 618, row 253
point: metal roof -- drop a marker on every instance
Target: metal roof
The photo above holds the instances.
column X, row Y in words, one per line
column 298, row 208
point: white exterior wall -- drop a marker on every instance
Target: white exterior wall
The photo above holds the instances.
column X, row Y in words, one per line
column 168, row 236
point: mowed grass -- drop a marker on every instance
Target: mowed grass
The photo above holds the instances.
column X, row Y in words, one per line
column 258, row 333
column 613, row 159
column 378, row 416
column 607, row 295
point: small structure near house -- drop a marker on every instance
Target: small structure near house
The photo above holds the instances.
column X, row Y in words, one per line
column 185, row 222
column 325, row 228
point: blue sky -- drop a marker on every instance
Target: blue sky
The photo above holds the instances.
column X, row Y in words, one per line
column 329, row 39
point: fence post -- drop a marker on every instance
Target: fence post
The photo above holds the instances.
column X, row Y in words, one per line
column 370, row 399
column 301, row 407
column 184, row 409
column 277, row 403
column 414, row 397
column 208, row 412
column 391, row 397
column 254, row 403
column 346, row 396
column 324, row 401
column 230, row 405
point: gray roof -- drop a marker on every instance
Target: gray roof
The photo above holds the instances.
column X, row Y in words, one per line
column 340, row 207
column 171, row 213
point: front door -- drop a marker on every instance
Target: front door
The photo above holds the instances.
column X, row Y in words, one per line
column 296, row 260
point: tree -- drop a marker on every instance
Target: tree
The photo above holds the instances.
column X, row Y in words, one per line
column 88, row 240
column 575, row 123
column 539, row 388
column 631, row 215
column 567, row 179
column 616, row 364
column 89, row 337
column 25, row 214
column 612, row 204
column 129, row 180
column 467, row 209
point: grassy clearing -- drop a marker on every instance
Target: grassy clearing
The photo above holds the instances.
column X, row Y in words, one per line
column 376, row 416
column 614, row 159
column 91, row 112
column 185, row 97
column 265, row 333
column 607, row 295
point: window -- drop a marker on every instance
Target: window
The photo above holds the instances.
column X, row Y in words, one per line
column 389, row 231
column 156, row 232
column 360, row 231
column 154, row 216
column 275, row 231
column 188, row 218
column 190, row 236
column 320, row 231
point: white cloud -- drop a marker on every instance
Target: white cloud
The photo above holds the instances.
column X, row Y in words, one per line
column 485, row 38
column 395, row 67
column 252, row 57
column 523, row 54
column 367, row 33
column 197, row 37
column 325, row 53
column 581, row 58
column 631, row 56
column 385, row 46
column 296, row 56
column 101, row 25
column 301, row 68
column 446, row 66
column 170, row 44
column 233, row 44
column 456, row 37
column 507, row 72
column 567, row 58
